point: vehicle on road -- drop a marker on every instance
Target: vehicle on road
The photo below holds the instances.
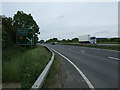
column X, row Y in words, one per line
column 53, row 43
column 93, row 40
column 87, row 39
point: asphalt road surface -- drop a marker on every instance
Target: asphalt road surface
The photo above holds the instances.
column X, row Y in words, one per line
column 100, row 66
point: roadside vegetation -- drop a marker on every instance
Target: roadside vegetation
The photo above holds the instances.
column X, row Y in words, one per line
column 21, row 64
column 24, row 66
column 74, row 40
column 109, row 41
column 11, row 25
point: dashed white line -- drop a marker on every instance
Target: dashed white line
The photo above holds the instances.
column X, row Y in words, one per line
column 79, row 71
column 114, row 58
column 82, row 51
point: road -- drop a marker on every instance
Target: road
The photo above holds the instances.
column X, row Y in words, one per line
column 98, row 65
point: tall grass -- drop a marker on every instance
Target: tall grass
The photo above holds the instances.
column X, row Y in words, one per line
column 25, row 67
column 108, row 42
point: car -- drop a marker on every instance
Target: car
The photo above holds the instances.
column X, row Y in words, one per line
column 53, row 43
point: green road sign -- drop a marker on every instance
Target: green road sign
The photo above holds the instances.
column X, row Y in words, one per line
column 24, row 36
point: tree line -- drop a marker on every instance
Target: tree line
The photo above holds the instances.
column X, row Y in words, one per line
column 63, row 40
column 108, row 40
column 76, row 40
column 10, row 26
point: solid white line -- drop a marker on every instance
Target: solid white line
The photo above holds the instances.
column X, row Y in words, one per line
column 80, row 72
column 114, row 58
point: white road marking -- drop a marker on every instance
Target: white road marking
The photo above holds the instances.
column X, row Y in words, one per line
column 79, row 71
column 114, row 58
column 82, row 51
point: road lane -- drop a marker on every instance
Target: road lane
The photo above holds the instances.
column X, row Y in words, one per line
column 95, row 64
column 69, row 77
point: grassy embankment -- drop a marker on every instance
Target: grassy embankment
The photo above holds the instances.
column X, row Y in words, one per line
column 110, row 47
column 108, row 42
column 23, row 65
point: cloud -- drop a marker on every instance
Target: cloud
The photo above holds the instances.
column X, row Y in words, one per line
column 103, row 32
column 60, row 17
column 107, row 33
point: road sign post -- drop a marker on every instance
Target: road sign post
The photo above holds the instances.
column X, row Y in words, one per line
column 24, row 36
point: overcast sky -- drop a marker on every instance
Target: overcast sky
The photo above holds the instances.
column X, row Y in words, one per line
column 68, row 19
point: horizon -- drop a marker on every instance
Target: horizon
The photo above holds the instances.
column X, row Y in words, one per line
column 65, row 20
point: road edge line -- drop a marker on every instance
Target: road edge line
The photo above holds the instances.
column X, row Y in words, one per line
column 79, row 71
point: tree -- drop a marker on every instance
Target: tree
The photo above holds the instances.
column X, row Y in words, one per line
column 41, row 41
column 23, row 20
column 64, row 40
column 8, row 32
column 10, row 26
column 52, row 40
column 74, row 40
column 55, row 39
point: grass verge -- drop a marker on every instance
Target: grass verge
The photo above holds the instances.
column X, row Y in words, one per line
column 24, row 66
column 96, row 46
column 52, row 79
column 108, row 42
